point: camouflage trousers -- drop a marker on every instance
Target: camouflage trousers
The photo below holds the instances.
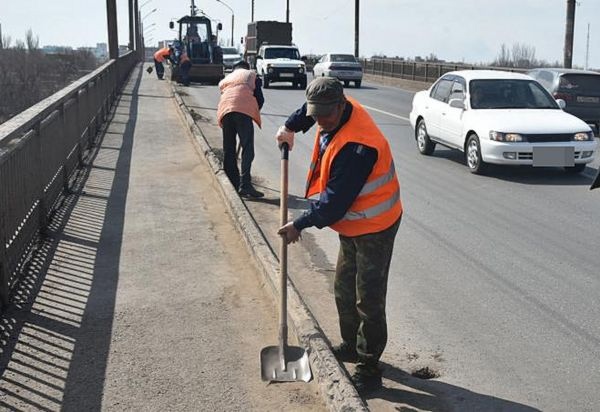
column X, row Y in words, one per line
column 360, row 289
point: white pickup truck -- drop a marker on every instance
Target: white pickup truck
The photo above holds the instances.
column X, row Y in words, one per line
column 276, row 63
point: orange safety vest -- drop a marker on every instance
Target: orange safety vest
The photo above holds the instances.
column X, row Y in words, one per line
column 237, row 95
column 378, row 205
column 162, row 54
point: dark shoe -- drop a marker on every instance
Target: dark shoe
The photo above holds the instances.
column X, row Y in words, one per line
column 250, row 192
column 345, row 352
column 366, row 383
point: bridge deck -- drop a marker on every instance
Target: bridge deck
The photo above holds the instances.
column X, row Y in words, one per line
column 143, row 297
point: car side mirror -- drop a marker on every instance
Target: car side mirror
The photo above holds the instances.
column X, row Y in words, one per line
column 561, row 103
column 457, row 103
column 258, row 57
column 219, row 26
column 171, row 25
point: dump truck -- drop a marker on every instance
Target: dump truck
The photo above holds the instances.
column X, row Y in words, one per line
column 269, row 49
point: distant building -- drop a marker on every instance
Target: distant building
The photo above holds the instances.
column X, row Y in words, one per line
column 101, row 51
column 50, row 49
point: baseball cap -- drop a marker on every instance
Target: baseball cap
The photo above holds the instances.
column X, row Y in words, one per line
column 322, row 95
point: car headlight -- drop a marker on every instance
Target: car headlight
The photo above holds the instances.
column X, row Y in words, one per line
column 270, row 69
column 300, row 69
column 583, row 136
column 505, row 137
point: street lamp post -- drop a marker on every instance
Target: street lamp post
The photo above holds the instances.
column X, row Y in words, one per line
column 232, row 18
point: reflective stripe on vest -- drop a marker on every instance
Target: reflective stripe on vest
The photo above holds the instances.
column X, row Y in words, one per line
column 375, row 210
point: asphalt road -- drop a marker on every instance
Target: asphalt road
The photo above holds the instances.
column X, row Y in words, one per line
column 495, row 279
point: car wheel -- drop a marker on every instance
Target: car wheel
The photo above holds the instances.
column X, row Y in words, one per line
column 424, row 143
column 578, row 168
column 265, row 82
column 346, row 83
column 473, row 155
column 303, row 84
column 357, row 84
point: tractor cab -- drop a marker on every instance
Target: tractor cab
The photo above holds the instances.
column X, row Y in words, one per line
column 195, row 37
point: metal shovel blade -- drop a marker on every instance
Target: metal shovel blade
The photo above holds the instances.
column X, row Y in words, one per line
column 297, row 367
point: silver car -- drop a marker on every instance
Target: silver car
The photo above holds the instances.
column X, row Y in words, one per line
column 230, row 57
column 344, row 67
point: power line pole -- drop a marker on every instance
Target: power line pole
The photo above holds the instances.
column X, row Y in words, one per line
column 1, row 41
column 570, row 27
column 252, row 12
column 587, row 49
column 356, row 26
column 287, row 12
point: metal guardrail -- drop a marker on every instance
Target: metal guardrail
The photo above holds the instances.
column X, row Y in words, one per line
column 40, row 149
column 420, row 71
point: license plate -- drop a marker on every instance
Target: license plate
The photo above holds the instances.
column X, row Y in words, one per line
column 553, row 156
column 588, row 99
column 286, row 74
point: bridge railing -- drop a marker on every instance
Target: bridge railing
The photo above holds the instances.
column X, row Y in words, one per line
column 420, row 71
column 40, row 149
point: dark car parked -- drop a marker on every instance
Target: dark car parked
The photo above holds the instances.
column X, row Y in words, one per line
column 580, row 89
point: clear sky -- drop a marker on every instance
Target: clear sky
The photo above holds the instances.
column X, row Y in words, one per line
column 457, row 30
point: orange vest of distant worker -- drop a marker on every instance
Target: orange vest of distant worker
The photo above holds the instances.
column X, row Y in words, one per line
column 162, row 54
column 237, row 95
column 378, row 204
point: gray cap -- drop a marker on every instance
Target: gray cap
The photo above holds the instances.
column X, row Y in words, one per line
column 322, row 95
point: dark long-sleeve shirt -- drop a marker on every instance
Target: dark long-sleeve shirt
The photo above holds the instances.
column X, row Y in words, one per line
column 349, row 172
column 258, row 94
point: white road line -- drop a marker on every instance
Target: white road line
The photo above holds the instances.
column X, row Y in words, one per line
column 388, row 113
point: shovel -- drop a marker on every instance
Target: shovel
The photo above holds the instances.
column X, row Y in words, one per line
column 284, row 363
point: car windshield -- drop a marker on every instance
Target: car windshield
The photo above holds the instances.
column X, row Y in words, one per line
column 343, row 58
column 580, row 83
column 509, row 94
column 229, row 50
column 282, row 53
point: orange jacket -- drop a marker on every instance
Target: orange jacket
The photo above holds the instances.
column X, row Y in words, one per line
column 237, row 95
column 378, row 205
column 162, row 54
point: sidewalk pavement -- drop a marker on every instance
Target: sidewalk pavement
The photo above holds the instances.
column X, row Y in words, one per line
column 144, row 296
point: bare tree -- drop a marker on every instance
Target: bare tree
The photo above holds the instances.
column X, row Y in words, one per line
column 523, row 55
column 32, row 41
column 503, row 59
column 6, row 40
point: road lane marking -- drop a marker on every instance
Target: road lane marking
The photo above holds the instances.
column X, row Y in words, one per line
column 388, row 113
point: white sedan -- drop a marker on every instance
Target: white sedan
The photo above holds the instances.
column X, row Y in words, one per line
column 344, row 67
column 502, row 118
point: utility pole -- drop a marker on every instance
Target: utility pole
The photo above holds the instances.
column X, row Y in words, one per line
column 113, row 40
column 570, row 27
column 287, row 12
column 2, row 41
column 587, row 49
column 131, row 26
column 138, row 34
column 356, row 26
column 252, row 12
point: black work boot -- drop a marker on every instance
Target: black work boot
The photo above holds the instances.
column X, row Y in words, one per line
column 366, row 383
column 345, row 352
column 250, row 191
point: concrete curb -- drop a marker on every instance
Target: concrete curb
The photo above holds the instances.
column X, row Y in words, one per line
column 336, row 388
